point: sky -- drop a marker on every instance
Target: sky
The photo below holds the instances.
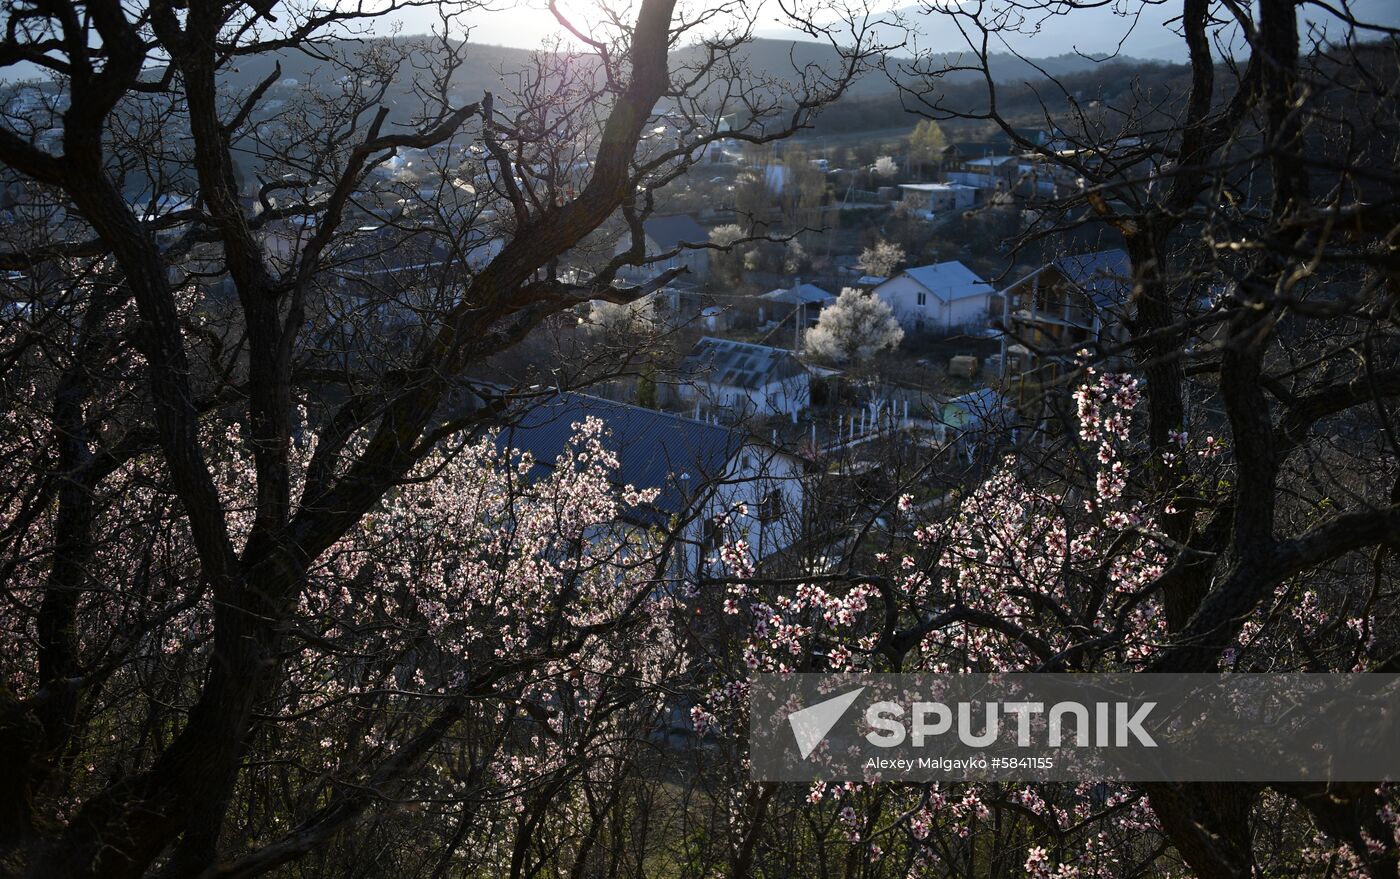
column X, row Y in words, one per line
column 1090, row 31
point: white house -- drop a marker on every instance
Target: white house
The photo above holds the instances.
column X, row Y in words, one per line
column 762, row 494
column 740, row 379
column 937, row 198
column 939, row 296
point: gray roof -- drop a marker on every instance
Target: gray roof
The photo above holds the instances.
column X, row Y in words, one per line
column 673, row 231
column 1105, row 275
column 802, row 294
column 950, row 281
column 654, row 449
column 739, row 364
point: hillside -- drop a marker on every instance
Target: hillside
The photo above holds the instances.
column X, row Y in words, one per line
column 491, row 68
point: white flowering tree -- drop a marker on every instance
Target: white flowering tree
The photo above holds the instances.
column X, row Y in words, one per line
column 881, row 259
column 853, row 329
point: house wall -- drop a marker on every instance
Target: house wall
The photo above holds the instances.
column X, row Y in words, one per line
column 940, row 200
column 788, row 397
column 918, row 199
column 901, row 293
column 968, row 311
column 975, row 179
column 963, row 198
column 957, row 199
column 754, row 475
column 768, row 485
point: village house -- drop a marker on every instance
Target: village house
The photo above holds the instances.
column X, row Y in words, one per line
column 665, row 248
column 700, row 470
column 932, row 199
column 1072, row 302
column 939, row 296
column 806, row 299
column 739, row 379
column 987, row 173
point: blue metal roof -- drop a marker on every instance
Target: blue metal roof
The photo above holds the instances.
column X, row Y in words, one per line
column 1105, row 275
column 680, row 456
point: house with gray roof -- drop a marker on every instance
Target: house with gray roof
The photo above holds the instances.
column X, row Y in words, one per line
column 800, row 294
column 1074, row 301
column 700, row 470
column 808, row 299
column 987, row 172
column 742, row 379
column 665, row 244
column 940, row 296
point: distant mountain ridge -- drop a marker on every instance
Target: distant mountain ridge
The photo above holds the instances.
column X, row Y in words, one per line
column 491, row 67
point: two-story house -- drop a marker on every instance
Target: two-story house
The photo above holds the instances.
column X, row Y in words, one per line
column 665, row 247
column 1075, row 301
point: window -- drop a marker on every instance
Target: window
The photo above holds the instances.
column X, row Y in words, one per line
column 923, row 300
column 771, row 507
